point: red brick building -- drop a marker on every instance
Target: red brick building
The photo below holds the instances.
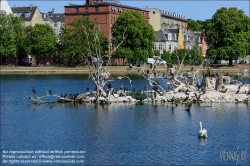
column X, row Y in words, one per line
column 104, row 12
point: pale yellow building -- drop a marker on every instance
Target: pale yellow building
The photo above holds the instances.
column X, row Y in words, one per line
column 30, row 15
column 163, row 19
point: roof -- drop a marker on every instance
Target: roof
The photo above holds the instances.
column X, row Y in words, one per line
column 165, row 30
column 22, row 10
column 173, row 30
column 197, row 34
column 107, row 4
column 57, row 17
column 46, row 17
column 174, row 17
column 159, row 35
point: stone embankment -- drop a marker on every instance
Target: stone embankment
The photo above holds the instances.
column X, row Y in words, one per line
column 112, row 69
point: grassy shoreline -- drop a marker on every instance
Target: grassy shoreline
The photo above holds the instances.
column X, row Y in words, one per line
column 112, row 69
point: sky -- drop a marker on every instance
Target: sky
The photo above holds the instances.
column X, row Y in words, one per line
column 195, row 9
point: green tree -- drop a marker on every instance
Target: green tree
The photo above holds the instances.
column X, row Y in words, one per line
column 11, row 35
column 40, row 41
column 153, row 53
column 228, row 34
column 195, row 25
column 166, row 56
column 74, row 41
column 139, row 36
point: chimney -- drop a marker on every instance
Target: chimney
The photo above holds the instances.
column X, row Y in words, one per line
column 146, row 6
column 31, row 6
column 53, row 10
column 14, row 5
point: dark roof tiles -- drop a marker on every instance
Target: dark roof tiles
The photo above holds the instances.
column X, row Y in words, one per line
column 159, row 35
column 24, row 12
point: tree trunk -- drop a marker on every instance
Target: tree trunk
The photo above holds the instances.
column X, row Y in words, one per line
column 230, row 61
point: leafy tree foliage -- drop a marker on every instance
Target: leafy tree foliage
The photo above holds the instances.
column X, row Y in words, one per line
column 40, row 40
column 195, row 25
column 139, row 36
column 74, row 41
column 153, row 53
column 193, row 56
column 11, row 35
column 228, row 34
column 166, row 56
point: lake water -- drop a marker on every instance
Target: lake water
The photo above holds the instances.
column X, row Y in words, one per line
column 120, row 134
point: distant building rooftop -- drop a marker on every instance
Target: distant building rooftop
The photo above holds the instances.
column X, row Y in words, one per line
column 25, row 13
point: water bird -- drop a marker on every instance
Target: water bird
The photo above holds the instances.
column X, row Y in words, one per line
column 197, row 96
column 188, row 106
column 224, row 91
column 50, row 92
column 33, row 90
column 65, row 95
column 248, row 93
column 203, row 132
column 185, row 99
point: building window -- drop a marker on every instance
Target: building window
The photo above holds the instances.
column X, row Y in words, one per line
column 111, row 20
column 155, row 46
column 28, row 23
column 185, row 37
column 27, row 14
column 153, row 12
column 77, row 10
column 96, row 9
column 160, row 46
column 166, row 35
column 55, row 24
column 86, row 9
column 169, row 47
column 56, row 31
column 173, row 37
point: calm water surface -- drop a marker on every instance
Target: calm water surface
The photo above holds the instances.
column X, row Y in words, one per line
column 119, row 133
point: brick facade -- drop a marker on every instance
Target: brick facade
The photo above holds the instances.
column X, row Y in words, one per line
column 104, row 14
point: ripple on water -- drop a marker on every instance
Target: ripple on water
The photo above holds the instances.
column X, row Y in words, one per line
column 117, row 134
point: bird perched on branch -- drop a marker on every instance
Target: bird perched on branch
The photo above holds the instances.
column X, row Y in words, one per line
column 197, row 96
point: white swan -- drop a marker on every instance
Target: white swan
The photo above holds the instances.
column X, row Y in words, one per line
column 202, row 132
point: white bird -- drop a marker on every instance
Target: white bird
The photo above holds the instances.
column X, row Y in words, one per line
column 202, row 132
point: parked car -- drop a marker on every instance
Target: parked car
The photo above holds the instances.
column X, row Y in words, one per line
column 23, row 63
column 158, row 61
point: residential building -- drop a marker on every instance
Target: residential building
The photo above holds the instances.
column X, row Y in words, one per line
column 171, row 39
column 104, row 13
column 166, row 39
column 4, row 6
column 55, row 20
column 163, row 19
column 30, row 15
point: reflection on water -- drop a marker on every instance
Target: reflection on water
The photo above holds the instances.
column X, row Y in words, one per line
column 141, row 134
column 203, row 141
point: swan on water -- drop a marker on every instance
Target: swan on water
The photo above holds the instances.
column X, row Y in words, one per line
column 202, row 132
